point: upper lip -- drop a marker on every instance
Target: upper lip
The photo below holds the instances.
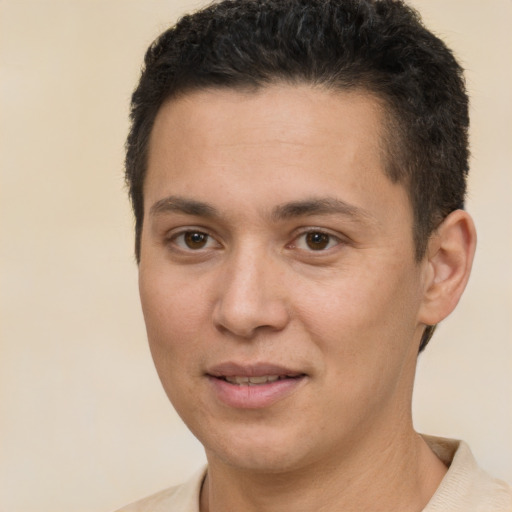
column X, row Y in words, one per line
column 232, row 369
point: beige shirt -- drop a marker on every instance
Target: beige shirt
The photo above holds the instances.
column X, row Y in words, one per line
column 465, row 487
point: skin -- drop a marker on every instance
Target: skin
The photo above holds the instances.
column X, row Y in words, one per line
column 228, row 273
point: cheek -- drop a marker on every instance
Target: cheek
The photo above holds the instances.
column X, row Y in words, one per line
column 362, row 328
column 365, row 316
column 173, row 314
column 174, row 324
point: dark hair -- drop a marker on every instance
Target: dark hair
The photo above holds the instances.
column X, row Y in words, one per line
column 379, row 46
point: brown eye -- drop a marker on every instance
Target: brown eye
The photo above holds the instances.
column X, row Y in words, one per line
column 195, row 239
column 317, row 241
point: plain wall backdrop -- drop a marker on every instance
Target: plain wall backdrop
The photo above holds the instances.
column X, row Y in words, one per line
column 84, row 423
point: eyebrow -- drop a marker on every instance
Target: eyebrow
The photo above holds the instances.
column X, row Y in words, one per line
column 182, row 205
column 319, row 206
column 286, row 211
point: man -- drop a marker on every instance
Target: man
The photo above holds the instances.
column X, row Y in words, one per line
column 297, row 170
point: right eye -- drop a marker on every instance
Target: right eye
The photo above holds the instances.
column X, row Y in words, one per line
column 193, row 240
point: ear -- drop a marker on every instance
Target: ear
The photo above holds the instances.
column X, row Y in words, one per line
column 449, row 257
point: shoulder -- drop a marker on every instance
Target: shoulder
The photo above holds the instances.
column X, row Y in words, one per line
column 466, row 487
column 181, row 498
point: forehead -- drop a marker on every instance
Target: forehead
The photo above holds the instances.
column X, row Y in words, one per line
column 289, row 137
column 270, row 109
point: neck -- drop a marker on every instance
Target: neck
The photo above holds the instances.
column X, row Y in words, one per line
column 399, row 472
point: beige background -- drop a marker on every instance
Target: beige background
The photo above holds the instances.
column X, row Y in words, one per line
column 84, row 424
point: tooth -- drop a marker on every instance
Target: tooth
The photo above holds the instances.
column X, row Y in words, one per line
column 235, row 379
column 238, row 380
column 258, row 380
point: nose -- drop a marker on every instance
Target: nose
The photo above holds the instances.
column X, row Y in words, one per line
column 251, row 297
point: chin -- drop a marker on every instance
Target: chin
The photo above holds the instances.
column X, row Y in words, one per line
column 260, row 450
column 256, row 459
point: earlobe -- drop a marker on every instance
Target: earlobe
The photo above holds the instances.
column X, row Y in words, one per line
column 450, row 255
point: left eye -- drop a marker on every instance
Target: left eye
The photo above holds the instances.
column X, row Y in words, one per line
column 316, row 241
column 194, row 240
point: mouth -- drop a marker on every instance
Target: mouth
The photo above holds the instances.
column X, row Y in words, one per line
column 254, row 386
column 240, row 380
column 252, row 374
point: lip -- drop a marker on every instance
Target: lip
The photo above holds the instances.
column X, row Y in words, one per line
column 258, row 396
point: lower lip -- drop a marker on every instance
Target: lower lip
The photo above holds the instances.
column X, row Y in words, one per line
column 257, row 396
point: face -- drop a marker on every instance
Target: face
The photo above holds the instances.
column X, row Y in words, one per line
column 277, row 275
